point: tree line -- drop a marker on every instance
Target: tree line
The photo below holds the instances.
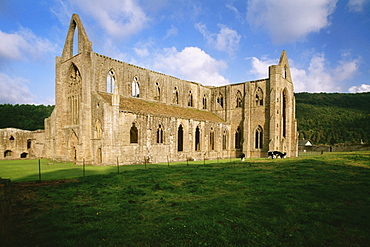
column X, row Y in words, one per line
column 323, row 118
column 27, row 117
column 329, row 118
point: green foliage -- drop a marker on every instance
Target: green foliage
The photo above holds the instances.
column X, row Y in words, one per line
column 329, row 118
column 316, row 201
column 27, row 117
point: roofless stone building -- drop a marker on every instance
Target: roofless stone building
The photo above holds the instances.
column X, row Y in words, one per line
column 107, row 110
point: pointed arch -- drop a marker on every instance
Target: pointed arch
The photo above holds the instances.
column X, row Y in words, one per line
column 259, row 97
column 157, row 92
column 72, row 146
column 220, row 99
column 180, row 138
column 258, row 139
column 197, row 139
column 76, row 40
column 135, row 87
column 74, row 94
column 110, row 83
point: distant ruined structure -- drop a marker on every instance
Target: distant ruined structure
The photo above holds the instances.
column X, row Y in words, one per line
column 108, row 111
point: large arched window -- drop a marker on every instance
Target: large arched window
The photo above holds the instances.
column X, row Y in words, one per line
column 134, row 134
column 110, row 81
column 135, row 87
column 212, row 139
column 238, row 138
column 197, row 139
column 239, row 99
column 74, row 94
column 258, row 141
column 259, row 97
column 180, row 140
column 160, row 134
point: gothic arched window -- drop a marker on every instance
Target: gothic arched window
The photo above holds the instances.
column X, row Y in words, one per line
column 259, row 97
column 135, row 89
column 220, row 100
column 197, row 139
column 110, row 81
column 258, row 138
column 180, row 140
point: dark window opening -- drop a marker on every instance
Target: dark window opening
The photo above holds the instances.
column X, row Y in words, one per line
column 160, row 134
column 224, row 141
column 180, row 134
column 24, row 155
column 11, row 138
column 133, row 134
column 212, row 139
column 258, row 138
column 29, row 144
column 197, row 139
column 8, row 153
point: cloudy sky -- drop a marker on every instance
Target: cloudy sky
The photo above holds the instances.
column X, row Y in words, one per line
column 212, row 42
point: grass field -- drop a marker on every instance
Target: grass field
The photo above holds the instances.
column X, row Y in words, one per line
column 313, row 201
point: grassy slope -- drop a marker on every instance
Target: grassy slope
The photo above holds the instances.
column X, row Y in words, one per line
column 316, row 201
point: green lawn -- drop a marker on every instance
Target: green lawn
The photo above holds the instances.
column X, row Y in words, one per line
column 313, row 201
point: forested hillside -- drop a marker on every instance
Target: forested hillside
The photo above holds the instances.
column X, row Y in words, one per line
column 323, row 118
column 328, row 118
column 27, row 117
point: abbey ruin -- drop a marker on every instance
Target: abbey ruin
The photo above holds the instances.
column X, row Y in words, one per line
column 108, row 111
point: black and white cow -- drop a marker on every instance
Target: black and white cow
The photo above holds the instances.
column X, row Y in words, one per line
column 275, row 154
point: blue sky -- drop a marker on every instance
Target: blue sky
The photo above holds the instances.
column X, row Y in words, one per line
column 212, row 42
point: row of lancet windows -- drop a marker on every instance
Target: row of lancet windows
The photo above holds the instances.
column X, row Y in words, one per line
column 135, row 92
column 134, row 137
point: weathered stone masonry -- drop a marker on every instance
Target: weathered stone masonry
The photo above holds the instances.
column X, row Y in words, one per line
column 107, row 110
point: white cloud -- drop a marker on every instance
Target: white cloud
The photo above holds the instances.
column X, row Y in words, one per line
column 290, row 20
column 318, row 77
column 23, row 45
column 191, row 64
column 14, row 90
column 119, row 18
column 359, row 89
column 226, row 40
column 356, row 5
column 260, row 67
